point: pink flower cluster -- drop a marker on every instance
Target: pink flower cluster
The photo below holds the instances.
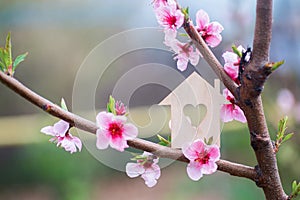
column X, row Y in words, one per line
column 202, row 158
column 113, row 130
column 231, row 111
column 171, row 19
column 210, row 31
column 184, row 53
column 62, row 136
column 232, row 61
column 147, row 167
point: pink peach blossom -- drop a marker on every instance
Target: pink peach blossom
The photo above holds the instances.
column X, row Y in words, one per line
column 159, row 3
column 231, row 65
column 120, row 108
column 184, row 53
column 147, row 167
column 231, row 111
column 202, row 158
column 210, row 31
column 62, row 136
column 168, row 16
column 114, row 131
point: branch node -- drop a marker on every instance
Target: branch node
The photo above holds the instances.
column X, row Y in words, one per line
column 249, row 103
column 46, row 107
column 259, row 180
column 248, row 76
column 258, row 142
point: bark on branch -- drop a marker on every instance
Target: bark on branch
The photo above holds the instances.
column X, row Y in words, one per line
column 86, row 125
column 248, row 96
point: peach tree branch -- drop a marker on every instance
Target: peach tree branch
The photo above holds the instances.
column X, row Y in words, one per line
column 248, row 95
column 161, row 151
column 209, row 56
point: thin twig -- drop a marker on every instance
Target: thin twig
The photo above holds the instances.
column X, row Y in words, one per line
column 86, row 125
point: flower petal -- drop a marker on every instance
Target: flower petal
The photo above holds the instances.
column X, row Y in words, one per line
column 151, row 174
column 67, row 144
column 214, row 28
column 134, row 169
column 102, row 139
column 202, row 19
column 213, row 40
column 209, row 168
column 103, row 119
column 146, row 154
column 194, row 171
column 226, row 112
column 214, row 152
column 230, row 57
column 118, row 143
column 130, row 131
column 227, row 94
column 194, row 57
column 119, row 119
column 179, row 18
column 150, row 182
column 156, row 170
column 61, row 127
column 190, row 151
column 182, row 63
column 231, row 70
column 238, row 114
column 170, row 37
column 48, row 130
column 77, row 142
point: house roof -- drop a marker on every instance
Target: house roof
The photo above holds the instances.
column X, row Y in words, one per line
column 195, row 90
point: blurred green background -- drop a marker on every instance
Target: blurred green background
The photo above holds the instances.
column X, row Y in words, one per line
column 59, row 34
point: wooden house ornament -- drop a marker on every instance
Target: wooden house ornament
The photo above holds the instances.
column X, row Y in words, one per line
column 195, row 91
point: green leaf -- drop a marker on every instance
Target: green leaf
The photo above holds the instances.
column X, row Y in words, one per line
column 19, row 59
column 236, row 51
column 163, row 141
column 276, row 65
column 138, row 157
column 2, row 66
column 298, row 189
column 287, row 137
column 183, row 34
column 2, row 55
column 111, row 105
column 282, row 127
column 8, row 57
column 294, row 186
column 185, row 11
column 63, row 104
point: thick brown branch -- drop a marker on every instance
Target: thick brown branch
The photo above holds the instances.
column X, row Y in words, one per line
column 86, row 125
column 248, row 95
column 254, row 77
column 263, row 32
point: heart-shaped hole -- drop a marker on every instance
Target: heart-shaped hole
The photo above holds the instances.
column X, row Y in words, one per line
column 195, row 114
